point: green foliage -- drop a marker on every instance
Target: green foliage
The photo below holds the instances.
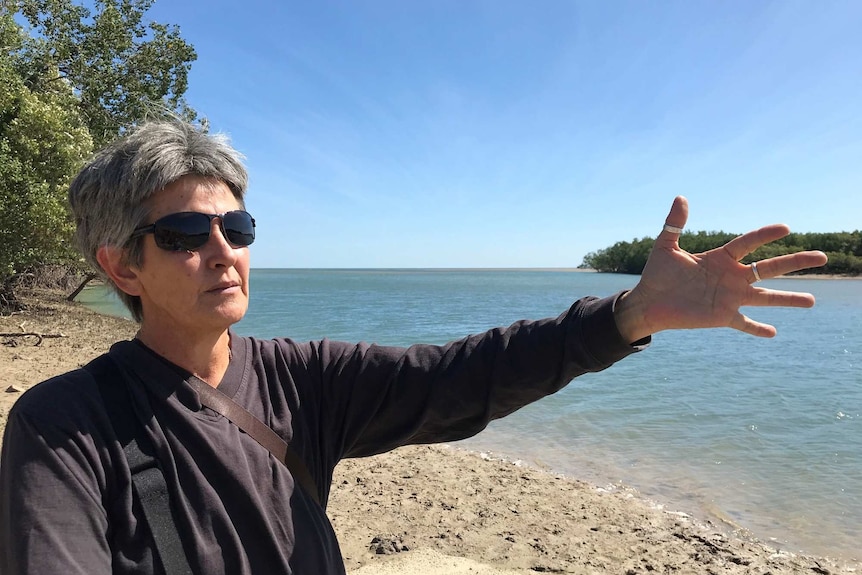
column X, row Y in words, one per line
column 121, row 69
column 844, row 264
column 71, row 80
column 43, row 141
column 622, row 257
column 844, row 250
column 698, row 242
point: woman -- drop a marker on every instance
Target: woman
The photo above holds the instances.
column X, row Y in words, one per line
column 161, row 214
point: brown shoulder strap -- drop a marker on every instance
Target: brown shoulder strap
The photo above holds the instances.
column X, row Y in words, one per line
column 259, row 431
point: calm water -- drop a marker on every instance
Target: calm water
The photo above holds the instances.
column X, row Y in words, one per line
column 762, row 434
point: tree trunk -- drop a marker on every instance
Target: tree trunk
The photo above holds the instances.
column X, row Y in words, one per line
column 9, row 302
column 90, row 276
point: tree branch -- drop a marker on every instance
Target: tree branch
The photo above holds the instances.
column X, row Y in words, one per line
column 39, row 336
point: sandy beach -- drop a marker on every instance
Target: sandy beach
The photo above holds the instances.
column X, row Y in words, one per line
column 440, row 510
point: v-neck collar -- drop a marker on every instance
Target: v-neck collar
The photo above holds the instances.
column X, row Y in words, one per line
column 165, row 378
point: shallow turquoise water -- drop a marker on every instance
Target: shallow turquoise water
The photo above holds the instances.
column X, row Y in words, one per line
column 766, row 434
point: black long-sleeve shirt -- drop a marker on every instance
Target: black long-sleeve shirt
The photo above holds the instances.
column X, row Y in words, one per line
column 66, row 502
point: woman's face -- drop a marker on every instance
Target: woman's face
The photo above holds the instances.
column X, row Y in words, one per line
column 195, row 294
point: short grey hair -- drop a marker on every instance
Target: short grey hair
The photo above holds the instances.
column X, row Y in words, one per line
column 108, row 197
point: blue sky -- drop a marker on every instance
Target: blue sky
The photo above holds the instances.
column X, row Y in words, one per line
column 525, row 134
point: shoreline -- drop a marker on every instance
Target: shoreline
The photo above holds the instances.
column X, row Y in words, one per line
column 441, row 509
column 528, row 269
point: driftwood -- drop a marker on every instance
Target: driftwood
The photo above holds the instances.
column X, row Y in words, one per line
column 39, row 336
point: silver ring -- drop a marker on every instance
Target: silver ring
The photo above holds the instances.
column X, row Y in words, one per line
column 672, row 229
column 754, row 269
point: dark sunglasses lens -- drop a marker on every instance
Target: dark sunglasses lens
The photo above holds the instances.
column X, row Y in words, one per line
column 183, row 231
column 239, row 228
column 189, row 231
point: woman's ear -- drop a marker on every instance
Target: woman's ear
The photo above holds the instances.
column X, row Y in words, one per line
column 116, row 266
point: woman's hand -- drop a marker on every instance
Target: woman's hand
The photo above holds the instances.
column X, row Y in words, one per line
column 679, row 290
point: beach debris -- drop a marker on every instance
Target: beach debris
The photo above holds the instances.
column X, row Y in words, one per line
column 387, row 544
column 13, row 389
column 546, row 569
column 39, row 336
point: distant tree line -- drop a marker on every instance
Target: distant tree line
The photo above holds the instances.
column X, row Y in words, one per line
column 843, row 248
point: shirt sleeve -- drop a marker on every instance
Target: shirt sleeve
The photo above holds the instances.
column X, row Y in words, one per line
column 375, row 398
column 52, row 517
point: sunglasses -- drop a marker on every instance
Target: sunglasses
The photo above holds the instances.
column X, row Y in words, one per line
column 189, row 231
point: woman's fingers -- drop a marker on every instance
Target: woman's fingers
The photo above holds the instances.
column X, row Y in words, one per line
column 767, row 298
column 741, row 246
column 747, row 325
column 780, row 265
column 762, row 297
column 675, row 221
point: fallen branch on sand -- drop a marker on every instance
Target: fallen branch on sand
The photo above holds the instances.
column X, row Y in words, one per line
column 39, row 336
